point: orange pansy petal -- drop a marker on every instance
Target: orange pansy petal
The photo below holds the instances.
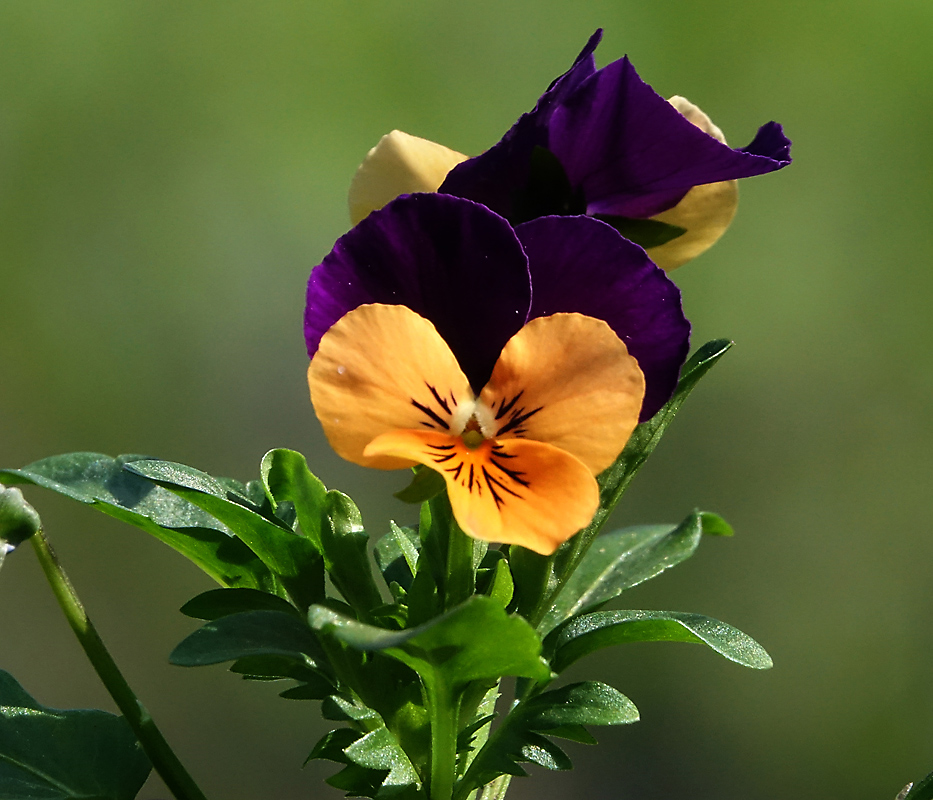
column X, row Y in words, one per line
column 380, row 368
column 567, row 380
column 513, row 491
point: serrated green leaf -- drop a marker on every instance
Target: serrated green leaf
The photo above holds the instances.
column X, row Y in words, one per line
column 425, row 484
column 294, row 558
column 586, row 634
column 379, row 749
column 560, row 712
column 622, row 559
column 65, row 755
column 250, row 633
column 217, row 603
column 101, row 483
column 449, row 644
column 396, row 555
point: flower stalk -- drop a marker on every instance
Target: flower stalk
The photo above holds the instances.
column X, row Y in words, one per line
column 163, row 758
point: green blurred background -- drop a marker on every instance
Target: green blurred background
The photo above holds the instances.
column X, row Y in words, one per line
column 169, row 174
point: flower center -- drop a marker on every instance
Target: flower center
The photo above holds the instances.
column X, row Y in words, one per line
column 472, row 434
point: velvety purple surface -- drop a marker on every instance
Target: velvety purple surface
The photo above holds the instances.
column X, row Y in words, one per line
column 464, row 268
column 450, row 260
column 583, row 265
column 621, row 144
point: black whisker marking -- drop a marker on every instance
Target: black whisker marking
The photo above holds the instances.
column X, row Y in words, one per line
column 440, row 400
column 432, row 414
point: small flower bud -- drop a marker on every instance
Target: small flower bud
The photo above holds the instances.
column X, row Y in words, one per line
column 18, row 519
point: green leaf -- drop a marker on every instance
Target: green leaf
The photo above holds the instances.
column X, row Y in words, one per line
column 379, row 749
column 922, row 790
column 379, row 766
column 293, row 558
column 101, row 482
column 495, row 580
column 644, row 232
column 345, row 545
column 425, row 484
column 615, row 480
column 250, row 633
column 622, row 559
column 587, row 634
column 286, row 477
column 396, row 555
column 218, row 603
column 448, row 645
column 562, row 712
column 49, row 754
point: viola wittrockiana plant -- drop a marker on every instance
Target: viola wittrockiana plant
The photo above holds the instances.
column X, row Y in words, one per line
column 501, row 325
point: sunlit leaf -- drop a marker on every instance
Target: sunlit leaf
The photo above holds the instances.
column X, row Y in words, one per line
column 621, row 559
column 591, row 632
column 449, row 645
column 397, row 555
column 294, row 558
column 101, row 482
column 522, row 734
column 48, row 754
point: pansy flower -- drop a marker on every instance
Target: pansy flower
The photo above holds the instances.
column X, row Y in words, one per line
column 599, row 142
column 515, row 362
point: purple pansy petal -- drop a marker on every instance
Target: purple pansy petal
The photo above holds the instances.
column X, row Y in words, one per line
column 579, row 264
column 634, row 154
column 771, row 142
column 623, row 146
column 495, row 177
column 450, row 260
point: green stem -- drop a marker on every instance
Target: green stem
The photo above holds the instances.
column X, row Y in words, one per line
column 443, row 743
column 163, row 759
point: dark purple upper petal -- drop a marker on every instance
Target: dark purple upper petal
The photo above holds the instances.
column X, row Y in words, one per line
column 496, row 176
column 623, row 146
column 452, row 261
column 635, row 155
column 579, row 264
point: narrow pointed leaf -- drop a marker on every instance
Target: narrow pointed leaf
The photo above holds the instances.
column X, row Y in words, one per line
column 619, row 560
column 286, row 476
column 449, row 644
column 217, row 603
column 102, row 483
column 592, row 632
column 48, row 754
column 345, row 544
column 251, row 633
column 615, row 480
column 293, row 558
column 397, row 555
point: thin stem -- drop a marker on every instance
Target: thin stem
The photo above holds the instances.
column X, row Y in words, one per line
column 443, row 743
column 163, row 759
